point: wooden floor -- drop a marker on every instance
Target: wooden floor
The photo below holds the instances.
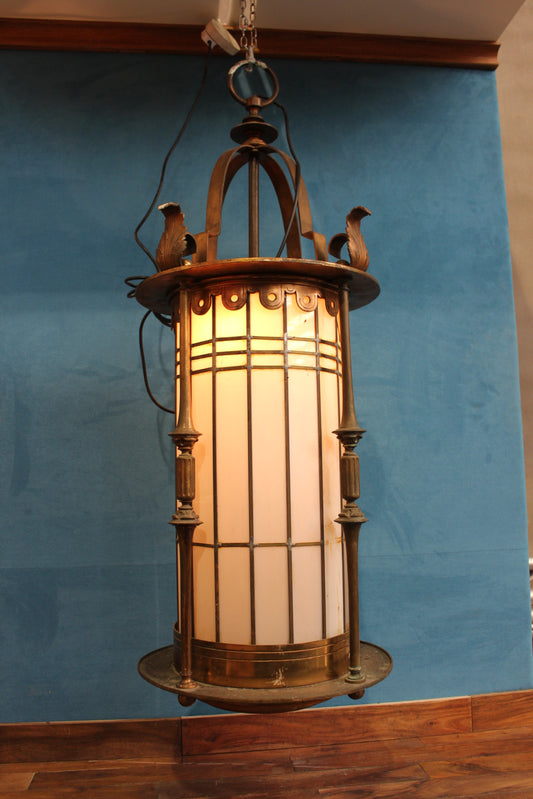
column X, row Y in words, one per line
column 465, row 747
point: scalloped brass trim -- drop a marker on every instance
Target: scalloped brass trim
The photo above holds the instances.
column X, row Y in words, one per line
column 271, row 295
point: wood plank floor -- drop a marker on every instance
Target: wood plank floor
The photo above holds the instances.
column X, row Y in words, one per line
column 146, row 759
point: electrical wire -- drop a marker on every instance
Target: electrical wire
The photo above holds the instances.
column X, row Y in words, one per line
column 167, row 157
column 143, row 362
column 134, row 280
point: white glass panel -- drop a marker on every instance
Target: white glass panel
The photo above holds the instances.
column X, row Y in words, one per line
column 204, row 593
column 234, row 595
column 270, row 344
column 300, row 323
column 260, row 359
column 230, row 323
column 265, row 321
column 202, row 417
column 201, row 349
column 332, row 504
column 327, row 324
column 202, row 326
column 307, row 593
column 309, row 361
column 268, row 442
column 232, row 457
column 304, row 461
column 271, row 595
column 201, row 364
column 327, row 349
column 230, row 360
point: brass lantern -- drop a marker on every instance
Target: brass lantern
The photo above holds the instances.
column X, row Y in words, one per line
column 266, row 522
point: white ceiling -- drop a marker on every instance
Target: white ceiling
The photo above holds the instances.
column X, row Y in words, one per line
column 449, row 19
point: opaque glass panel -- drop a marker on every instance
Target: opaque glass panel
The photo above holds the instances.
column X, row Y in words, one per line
column 231, row 360
column 327, row 349
column 232, row 457
column 269, row 474
column 260, row 344
column 202, row 326
column 300, row 323
column 328, row 323
column 201, row 349
column 234, row 595
column 271, row 595
column 201, row 364
column 202, row 416
column 229, row 323
column 204, row 593
column 299, row 359
column 265, row 321
column 332, row 504
column 307, row 593
column 304, row 456
column 259, row 359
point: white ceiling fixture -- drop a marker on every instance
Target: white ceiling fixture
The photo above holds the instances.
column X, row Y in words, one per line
column 483, row 20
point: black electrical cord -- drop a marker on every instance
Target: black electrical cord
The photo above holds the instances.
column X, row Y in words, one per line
column 167, row 158
column 143, row 362
column 134, row 280
column 297, row 178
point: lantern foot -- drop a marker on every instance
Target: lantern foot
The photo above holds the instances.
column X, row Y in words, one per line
column 185, row 700
column 357, row 695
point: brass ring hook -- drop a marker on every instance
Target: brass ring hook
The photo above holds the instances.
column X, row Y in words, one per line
column 258, row 100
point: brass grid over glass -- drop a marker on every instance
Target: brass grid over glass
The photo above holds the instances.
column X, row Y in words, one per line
column 268, row 563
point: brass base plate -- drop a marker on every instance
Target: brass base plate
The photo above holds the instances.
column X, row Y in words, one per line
column 158, row 668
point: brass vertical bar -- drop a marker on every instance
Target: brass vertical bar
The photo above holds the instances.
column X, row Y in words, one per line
column 184, row 425
column 250, row 470
column 348, row 418
column 320, row 475
column 178, row 579
column 253, row 206
column 215, row 481
column 288, row 471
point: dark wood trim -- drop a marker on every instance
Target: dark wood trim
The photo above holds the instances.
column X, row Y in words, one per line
column 502, row 711
column 90, row 740
column 152, row 739
column 130, row 37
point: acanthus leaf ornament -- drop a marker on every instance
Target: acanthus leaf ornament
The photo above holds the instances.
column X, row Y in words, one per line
column 175, row 242
column 353, row 237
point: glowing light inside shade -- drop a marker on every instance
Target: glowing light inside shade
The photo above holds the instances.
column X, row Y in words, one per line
column 268, row 557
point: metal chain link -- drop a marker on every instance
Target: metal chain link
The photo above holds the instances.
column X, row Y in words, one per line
column 248, row 30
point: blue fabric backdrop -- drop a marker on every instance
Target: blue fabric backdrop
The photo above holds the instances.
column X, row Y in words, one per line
column 87, row 557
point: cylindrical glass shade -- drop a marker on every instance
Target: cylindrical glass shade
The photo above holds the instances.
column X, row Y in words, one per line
column 265, row 387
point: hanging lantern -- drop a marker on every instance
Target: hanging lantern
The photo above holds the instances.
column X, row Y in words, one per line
column 266, row 518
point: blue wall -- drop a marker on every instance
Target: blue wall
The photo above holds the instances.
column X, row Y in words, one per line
column 87, row 557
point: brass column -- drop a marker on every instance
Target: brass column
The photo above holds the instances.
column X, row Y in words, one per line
column 185, row 520
column 351, row 517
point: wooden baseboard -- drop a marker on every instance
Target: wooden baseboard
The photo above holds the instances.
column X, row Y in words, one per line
column 131, row 37
column 154, row 739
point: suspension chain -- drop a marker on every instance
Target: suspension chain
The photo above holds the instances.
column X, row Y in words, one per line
column 248, row 30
